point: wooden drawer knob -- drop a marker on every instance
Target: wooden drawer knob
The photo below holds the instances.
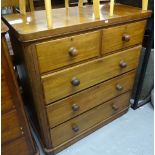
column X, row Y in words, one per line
column 119, row 87
column 75, row 107
column 115, row 107
column 123, row 64
column 73, row 52
column 75, row 128
column 75, row 81
column 126, row 37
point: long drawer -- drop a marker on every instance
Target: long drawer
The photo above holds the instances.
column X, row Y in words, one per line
column 76, row 104
column 119, row 37
column 10, row 126
column 65, row 51
column 87, row 120
column 71, row 80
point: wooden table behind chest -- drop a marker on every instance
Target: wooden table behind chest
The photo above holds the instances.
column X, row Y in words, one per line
column 80, row 72
column 16, row 135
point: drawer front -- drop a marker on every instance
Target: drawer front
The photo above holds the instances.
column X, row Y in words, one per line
column 6, row 99
column 74, row 105
column 10, row 126
column 119, row 37
column 76, row 126
column 69, row 81
column 16, row 147
column 59, row 53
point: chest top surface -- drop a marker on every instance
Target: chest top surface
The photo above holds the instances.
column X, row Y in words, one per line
column 33, row 25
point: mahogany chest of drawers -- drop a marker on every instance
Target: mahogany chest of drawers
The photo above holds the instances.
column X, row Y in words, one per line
column 79, row 73
column 16, row 136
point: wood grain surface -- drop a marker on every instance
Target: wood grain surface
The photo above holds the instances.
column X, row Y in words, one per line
column 10, row 126
column 6, row 98
column 58, row 85
column 55, row 54
column 62, row 110
column 14, row 119
column 112, row 38
column 33, row 26
column 105, row 54
column 17, row 147
column 88, row 119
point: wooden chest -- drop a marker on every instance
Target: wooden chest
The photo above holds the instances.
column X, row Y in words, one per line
column 79, row 74
column 16, row 137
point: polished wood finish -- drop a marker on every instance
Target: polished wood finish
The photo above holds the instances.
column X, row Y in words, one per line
column 17, row 147
column 72, row 106
column 33, row 89
column 89, row 74
column 74, row 20
column 51, row 55
column 120, row 37
column 87, row 132
column 77, row 125
column 15, row 127
column 6, row 97
column 76, row 86
column 11, row 128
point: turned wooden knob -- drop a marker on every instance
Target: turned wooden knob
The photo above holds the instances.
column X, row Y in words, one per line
column 115, row 107
column 75, row 107
column 73, row 52
column 119, row 87
column 126, row 37
column 75, row 81
column 123, row 64
column 75, row 127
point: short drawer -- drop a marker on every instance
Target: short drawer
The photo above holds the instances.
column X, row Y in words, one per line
column 71, row 80
column 86, row 121
column 76, row 104
column 119, row 37
column 61, row 52
column 10, row 126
